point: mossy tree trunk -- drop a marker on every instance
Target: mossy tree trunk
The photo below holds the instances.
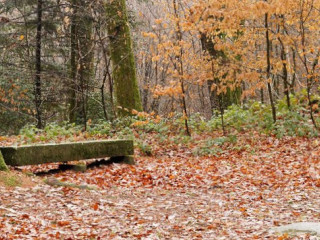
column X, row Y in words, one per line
column 3, row 165
column 81, row 60
column 121, row 53
column 222, row 100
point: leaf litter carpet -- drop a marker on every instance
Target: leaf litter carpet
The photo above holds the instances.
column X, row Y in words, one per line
column 240, row 194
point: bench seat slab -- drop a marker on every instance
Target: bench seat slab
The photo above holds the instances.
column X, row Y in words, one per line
column 64, row 152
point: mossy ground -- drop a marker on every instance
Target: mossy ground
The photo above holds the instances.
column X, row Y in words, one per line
column 15, row 179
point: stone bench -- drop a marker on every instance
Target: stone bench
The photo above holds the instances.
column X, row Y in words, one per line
column 119, row 150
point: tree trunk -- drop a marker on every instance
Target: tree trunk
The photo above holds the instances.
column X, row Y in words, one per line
column 121, row 52
column 181, row 70
column 285, row 73
column 274, row 113
column 232, row 96
column 81, row 62
column 73, row 66
column 37, row 83
column 294, row 76
column 305, row 64
column 3, row 165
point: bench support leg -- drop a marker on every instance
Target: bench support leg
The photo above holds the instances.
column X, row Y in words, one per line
column 124, row 159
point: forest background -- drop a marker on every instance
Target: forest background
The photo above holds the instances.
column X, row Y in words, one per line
column 215, row 63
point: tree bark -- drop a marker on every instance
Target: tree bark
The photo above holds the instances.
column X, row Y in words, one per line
column 232, row 96
column 37, row 83
column 181, row 70
column 273, row 107
column 121, row 52
column 309, row 72
column 285, row 73
column 81, row 62
column 3, row 165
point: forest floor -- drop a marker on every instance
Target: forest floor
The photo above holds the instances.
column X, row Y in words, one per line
column 241, row 193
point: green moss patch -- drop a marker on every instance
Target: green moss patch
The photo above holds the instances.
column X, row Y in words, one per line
column 15, row 179
column 3, row 166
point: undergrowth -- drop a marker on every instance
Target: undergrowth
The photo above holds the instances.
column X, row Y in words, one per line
column 252, row 117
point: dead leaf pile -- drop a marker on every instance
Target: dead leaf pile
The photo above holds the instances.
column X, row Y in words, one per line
column 240, row 194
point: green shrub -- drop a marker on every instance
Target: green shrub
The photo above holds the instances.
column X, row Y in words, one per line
column 212, row 147
column 254, row 115
column 198, row 123
column 258, row 116
column 144, row 147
